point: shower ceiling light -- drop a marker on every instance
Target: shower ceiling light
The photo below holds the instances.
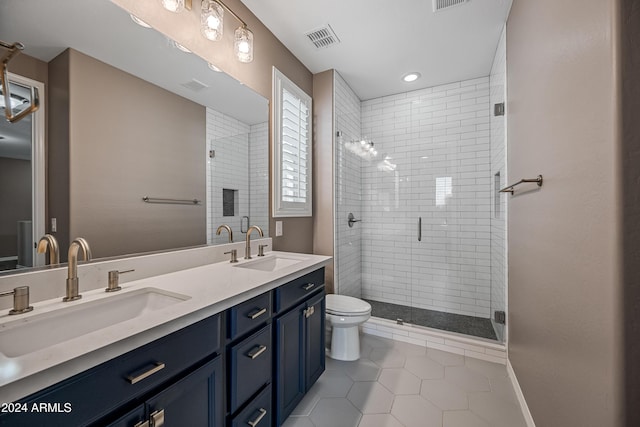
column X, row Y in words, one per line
column 411, row 77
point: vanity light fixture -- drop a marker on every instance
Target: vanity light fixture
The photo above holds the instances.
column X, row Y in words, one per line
column 212, row 20
column 175, row 5
column 411, row 77
column 212, row 24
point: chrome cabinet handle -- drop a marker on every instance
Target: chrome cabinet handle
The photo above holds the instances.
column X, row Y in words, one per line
column 257, row 314
column 257, row 351
column 259, row 418
column 420, row 229
column 309, row 286
column 157, row 418
column 133, row 378
column 142, row 424
column 309, row 312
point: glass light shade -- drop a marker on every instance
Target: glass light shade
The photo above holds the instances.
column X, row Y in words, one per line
column 243, row 44
column 139, row 21
column 212, row 20
column 173, row 5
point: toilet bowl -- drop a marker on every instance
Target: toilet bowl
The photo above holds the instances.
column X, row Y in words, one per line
column 345, row 314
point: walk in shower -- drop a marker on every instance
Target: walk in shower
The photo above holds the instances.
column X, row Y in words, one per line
column 420, row 173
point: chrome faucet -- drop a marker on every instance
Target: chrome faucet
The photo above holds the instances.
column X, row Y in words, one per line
column 72, row 276
column 48, row 241
column 247, row 251
column 225, row 227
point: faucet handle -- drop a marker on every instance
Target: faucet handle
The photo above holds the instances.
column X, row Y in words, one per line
column 20, row 300
column 261, row 249
column 234, row 255
column 114, row 279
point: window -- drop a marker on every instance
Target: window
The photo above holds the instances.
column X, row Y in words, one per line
column 291, row 148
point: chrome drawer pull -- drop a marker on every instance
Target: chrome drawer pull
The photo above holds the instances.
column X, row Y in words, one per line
column 309, row 286
column 133, row 378
column 257, row 314
column 255, row 422
column 257, row 351
column 157, row 418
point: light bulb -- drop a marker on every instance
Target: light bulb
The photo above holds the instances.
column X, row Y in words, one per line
column 212, row 20
column 173, row 5
column 243, row 44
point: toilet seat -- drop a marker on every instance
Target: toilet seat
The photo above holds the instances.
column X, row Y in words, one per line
column 345, row 306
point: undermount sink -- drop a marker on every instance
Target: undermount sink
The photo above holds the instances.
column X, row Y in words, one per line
column 41, row 331
column 271, row 263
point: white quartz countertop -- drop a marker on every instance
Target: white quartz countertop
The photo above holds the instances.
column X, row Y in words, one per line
column 210, row 289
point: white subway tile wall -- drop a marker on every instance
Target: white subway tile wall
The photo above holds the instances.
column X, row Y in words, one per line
column 259, row 176
column 233, row 141
column 348, row 191
column 497, row 85
column 433, row 162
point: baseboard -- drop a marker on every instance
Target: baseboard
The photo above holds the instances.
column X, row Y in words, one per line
column 523, row 403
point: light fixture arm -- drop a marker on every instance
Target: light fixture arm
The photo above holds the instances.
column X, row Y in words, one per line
column 13, row 50
column 221, row 3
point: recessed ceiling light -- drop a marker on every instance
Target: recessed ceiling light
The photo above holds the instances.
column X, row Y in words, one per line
column 139, row 21
column 213, row 67
column 411, row 77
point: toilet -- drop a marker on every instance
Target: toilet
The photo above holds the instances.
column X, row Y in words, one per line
column 345, row 314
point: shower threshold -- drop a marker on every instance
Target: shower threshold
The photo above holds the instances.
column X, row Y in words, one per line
column 468, row 325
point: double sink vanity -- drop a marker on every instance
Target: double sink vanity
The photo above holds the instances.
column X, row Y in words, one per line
column 217, row 344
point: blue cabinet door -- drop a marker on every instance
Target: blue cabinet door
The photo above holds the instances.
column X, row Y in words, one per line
column 314, row 339
column 195, row 400
column 290, row 387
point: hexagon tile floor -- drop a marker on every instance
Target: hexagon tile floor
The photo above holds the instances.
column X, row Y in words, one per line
column 395, row 384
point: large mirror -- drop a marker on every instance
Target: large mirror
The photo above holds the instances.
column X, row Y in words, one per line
column 127, row 114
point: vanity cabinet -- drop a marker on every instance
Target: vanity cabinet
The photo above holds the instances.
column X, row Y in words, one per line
column 195, row 400
column 107, row 391
column 299, row 340
column 249, row 366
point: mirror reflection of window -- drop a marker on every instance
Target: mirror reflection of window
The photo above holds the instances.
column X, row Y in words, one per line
column 444, row 190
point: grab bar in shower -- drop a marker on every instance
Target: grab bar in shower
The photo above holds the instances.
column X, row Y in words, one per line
column 509, row 188
column 148, row 199
column 419, row 229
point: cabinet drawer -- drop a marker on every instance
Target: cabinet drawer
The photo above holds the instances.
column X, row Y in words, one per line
column 286, row 296
column 248, row 315
column 123, row 378
column 249, row 367
column 257, row 413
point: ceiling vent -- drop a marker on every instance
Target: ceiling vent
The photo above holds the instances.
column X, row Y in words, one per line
column 440, row 5
column 195, row 85
column 323, row 37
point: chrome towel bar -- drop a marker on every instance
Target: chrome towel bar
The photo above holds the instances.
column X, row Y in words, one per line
column 509, row 188
column 148, row 199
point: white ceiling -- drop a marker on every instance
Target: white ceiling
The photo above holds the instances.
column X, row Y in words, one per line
column 382, row 40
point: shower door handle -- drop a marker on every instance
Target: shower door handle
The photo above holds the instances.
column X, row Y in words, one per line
column 419, row 229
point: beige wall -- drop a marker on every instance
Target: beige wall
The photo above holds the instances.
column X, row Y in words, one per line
column 323, row 185
column 564, row 254
column 268, row 52
column 629, row 55
column 129, row 139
